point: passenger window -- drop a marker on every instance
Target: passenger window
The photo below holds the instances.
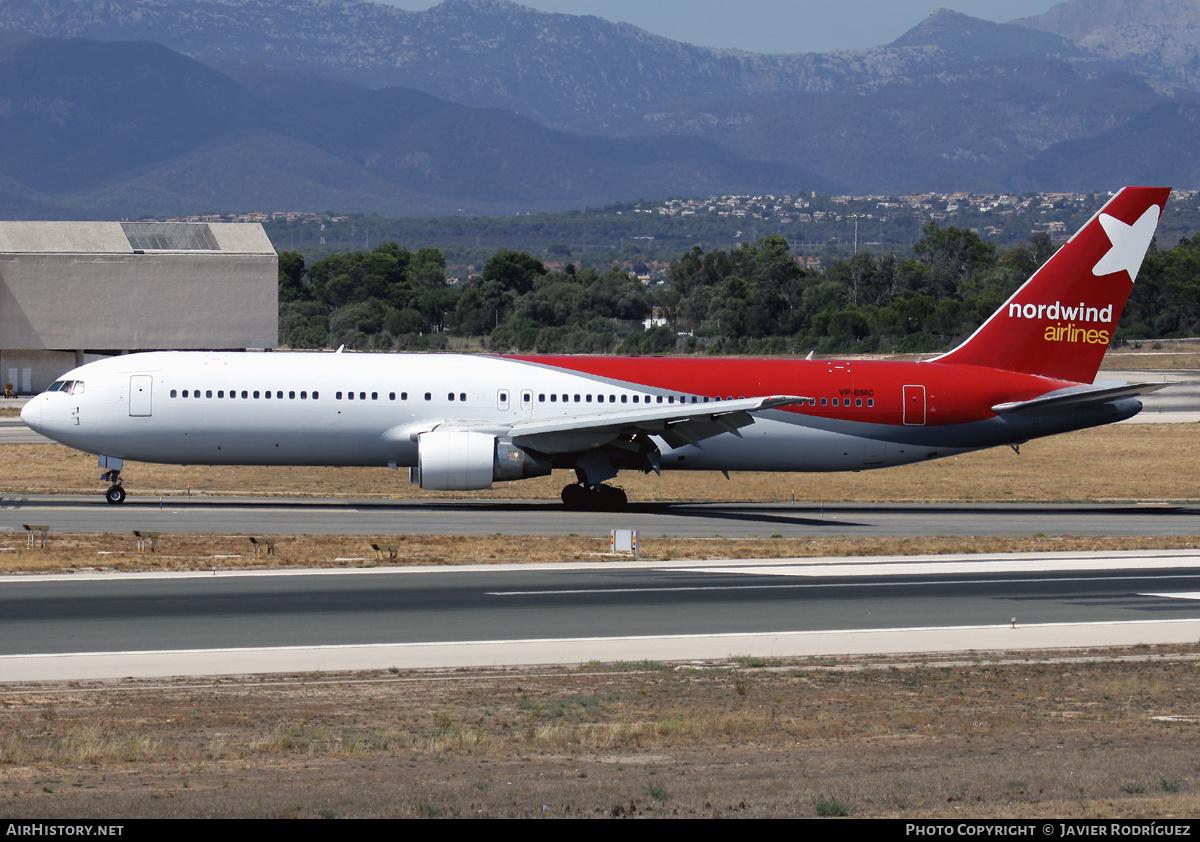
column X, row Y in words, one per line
column 350, row 396
column 173, row 392
column 291, row 396
column 624, row 398
column 577, row 399
column 208, row 394
column 635, row 398
column 338, row 396
column 304, row 396
column 246, row 394
column 362, row 396
column 428, row 396
column 554, row 399
column 450, row 396
column 279, row 395
column 870, row 401
column 462, row 396
column 391, row 396
column 404, row 396
column 541, row 397
column 256, row 395
column 267, row 394
column 659, row 399
column 858, row 401
column 589, row 398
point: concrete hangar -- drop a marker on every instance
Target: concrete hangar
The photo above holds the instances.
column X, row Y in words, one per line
column 73, row 292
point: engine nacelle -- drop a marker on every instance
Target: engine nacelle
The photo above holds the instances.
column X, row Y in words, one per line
column 514, row 462
column 465, row 460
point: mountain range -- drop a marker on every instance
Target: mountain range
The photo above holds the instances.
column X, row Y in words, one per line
column 133, row 107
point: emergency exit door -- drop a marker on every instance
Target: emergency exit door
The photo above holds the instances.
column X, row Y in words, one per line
column 914, row 405
column 139, row 394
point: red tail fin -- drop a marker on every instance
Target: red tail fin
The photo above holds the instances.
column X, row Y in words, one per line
column 1059, row 323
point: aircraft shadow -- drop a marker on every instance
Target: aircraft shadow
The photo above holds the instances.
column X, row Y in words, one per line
column 807, row 514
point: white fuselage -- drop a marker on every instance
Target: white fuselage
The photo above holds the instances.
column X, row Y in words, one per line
column 324, row 409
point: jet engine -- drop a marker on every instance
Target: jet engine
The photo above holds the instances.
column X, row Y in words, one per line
column 465, row 460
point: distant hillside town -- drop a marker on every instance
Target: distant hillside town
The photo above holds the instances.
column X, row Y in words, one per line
column 644, row 237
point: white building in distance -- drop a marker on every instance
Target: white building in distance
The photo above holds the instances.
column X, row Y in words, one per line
column 72, row 292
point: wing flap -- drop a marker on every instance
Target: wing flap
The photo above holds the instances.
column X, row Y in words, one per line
column 678, row 424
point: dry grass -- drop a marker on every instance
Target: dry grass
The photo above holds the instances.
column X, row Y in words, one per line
column 73, row 553
column 1102, row 735
column 1121, row 462
column 1153, row 355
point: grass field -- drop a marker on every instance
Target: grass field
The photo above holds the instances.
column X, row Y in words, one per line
column 1078, row 735
column 1117, row 462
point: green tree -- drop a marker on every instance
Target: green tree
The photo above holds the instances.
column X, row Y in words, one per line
column 513, row 270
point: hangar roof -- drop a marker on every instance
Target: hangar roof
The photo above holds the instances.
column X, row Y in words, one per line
column 129, row 237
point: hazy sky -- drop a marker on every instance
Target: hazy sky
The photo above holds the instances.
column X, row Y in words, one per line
column 776, row 26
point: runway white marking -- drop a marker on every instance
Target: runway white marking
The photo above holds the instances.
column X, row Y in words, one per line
column 1030, row 564
column 848, row 566
column 1188, row 595
column 818, row 585
column 574, row 651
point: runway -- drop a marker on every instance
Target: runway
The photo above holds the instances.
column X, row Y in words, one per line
column 258, row 516
column 113, row 626
column 98, row 626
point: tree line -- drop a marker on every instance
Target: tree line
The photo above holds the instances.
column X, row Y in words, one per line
column 755, row 298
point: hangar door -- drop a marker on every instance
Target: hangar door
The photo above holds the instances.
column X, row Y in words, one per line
column 139, row 394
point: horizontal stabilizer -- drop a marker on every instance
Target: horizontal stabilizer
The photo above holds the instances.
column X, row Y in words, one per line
column 1077, row 396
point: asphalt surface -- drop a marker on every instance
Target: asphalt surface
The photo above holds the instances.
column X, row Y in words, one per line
column 254, row 516
column 130, row 614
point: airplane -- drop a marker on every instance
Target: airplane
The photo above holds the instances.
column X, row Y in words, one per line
column 462, row 422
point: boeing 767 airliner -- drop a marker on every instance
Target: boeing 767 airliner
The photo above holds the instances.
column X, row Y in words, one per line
column 461, row 422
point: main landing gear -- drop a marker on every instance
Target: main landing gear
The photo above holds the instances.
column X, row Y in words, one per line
column 578, row 497
column 116, row 492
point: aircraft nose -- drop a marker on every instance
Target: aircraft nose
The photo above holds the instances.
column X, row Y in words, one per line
column 31, row 414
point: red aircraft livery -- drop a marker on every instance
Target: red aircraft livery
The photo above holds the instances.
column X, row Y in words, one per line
column 460, row 422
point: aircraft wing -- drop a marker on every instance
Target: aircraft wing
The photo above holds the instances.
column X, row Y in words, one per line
column 677, row 424
column 1076, row 396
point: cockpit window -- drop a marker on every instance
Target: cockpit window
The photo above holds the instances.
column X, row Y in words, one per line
column 55, row 386
column 77, row 389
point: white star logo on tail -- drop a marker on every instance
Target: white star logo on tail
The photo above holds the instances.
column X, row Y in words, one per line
column 1129, row 243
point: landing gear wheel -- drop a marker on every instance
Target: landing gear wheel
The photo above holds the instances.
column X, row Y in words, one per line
column 611, row 499
column 601, row 498
column 115, row 495
column 575, row 497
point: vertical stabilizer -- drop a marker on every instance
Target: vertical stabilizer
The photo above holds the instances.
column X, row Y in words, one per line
column 1060, row 322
